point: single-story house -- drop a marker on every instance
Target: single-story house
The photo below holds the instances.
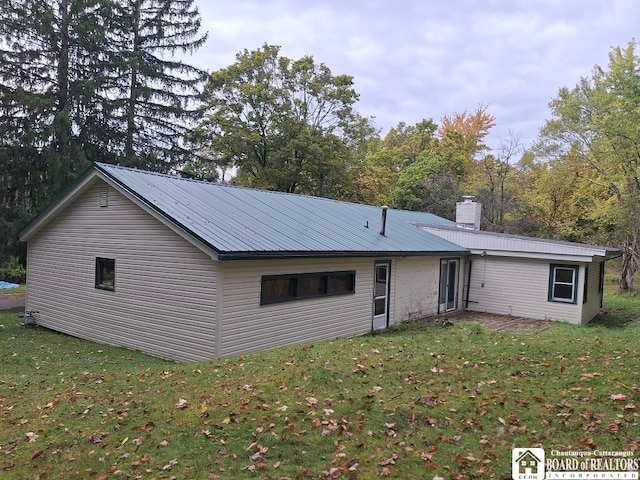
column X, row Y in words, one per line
column 190, row 270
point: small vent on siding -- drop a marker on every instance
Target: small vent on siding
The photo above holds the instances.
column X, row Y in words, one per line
column 104, row 196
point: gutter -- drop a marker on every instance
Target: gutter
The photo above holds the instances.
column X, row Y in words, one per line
column 283, row 255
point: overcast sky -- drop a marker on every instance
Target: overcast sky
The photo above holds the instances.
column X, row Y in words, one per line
column 415, row 59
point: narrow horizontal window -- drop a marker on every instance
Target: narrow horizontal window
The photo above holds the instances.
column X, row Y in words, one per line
column 278, row 289
column 282, row 288
column 341, row 283
column 563, row 283
column 312, row 286
column 105, row 273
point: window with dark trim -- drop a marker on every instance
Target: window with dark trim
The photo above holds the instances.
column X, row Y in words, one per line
column 601, row 283
column 585, row 290
column 563, row 283
column 601, row 279
column 284, row 288
column 105, row 273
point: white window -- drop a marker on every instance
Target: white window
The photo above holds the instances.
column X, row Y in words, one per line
column 563, row 283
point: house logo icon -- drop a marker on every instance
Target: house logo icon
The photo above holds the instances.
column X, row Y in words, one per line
column 527, row 463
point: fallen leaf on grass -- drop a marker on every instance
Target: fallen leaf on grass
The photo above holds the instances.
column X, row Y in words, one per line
column 96, row 438
column 618, row 397
column 32, row 436
column 389, row 461
column 588, row 442
column 170, row 465
column 37, row 455
column 182, row 403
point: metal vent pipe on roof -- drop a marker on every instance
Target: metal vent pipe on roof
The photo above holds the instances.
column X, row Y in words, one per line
column 383, row 226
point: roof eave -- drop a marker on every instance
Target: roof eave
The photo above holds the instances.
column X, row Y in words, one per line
column 285, row 255
column 585, row 258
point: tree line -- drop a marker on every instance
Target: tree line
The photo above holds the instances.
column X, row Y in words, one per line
column 89, row 80
column 102, row 80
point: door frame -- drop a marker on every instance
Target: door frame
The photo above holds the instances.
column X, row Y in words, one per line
column 449, row 288
column 381, row 321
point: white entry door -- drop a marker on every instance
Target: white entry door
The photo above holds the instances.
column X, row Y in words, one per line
column 449, row 285
column 381, row 295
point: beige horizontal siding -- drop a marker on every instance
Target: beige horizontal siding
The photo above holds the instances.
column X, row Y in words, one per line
column 518, row 287
column 248, row 326
column 164, row 301
column 416, row 288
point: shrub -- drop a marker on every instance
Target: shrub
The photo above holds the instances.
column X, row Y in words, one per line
column 12, row 270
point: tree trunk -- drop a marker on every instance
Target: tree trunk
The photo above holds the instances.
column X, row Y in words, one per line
column 630, row 262
column 129, row 151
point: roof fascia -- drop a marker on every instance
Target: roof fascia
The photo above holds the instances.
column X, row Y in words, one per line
column 537, row 256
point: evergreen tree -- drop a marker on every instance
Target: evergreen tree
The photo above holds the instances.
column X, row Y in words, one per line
column 89, row 80
column 152, row 95
column 43, row 74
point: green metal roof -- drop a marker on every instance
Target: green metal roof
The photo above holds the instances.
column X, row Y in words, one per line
column 242, row 223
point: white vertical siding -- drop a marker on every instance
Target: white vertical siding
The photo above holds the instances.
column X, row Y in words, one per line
column 248, row 326
column 519, row 287
column 416, row 288
column 164, row 301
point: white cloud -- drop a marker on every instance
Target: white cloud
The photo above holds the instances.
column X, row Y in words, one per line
column 423, row 59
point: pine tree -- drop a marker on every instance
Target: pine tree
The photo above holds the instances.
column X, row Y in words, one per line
column 89, row 80
column 153, row 93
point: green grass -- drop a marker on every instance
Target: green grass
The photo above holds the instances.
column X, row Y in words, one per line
column 420, row 401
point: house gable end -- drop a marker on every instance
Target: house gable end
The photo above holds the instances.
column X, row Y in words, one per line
column 87, row 181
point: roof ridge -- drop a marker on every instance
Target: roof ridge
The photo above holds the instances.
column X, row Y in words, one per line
column 102, row 165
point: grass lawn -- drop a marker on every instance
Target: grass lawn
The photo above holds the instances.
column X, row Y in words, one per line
column 419, row 402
